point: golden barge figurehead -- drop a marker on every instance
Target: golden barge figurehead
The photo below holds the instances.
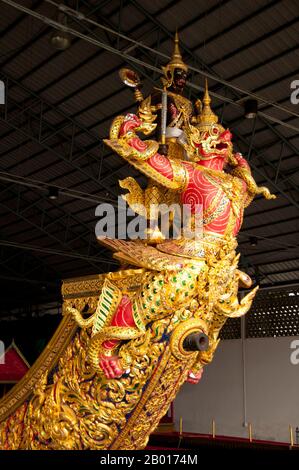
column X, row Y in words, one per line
column 130, row 339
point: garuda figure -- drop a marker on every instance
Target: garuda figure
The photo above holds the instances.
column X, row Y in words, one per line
column 183, row 272
column 155, row 323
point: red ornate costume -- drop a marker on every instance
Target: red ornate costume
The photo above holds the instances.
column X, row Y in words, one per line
column 202, row 183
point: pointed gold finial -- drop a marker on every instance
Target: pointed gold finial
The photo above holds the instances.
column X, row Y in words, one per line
column 206, row 118
column 206, row 99
column 176, row 62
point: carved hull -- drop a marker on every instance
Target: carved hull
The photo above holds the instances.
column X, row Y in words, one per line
column 64, row 403
column 179, row 288
column 61, row 404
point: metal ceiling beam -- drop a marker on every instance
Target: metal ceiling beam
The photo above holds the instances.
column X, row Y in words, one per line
column 207, row 67
column 270, row 224
column 279, row 284
column 252, row 234
column 66, row 221
column 261, row 155
column 91, row 11
column 275, row 250
column 96, row 55
column 261, row 173
column 286, row 260
column 258, row 89
column 272, row 209
column 255, row 41
column 283, row 176
column 210, row 67
column 36, row 110
column 21, row 264
column 77, row 33
column 94, row 261
column 273, row 58
column 274, row 130
column 20, row 18
column 40, row 222
column 43, row 187
column 278, row 188
column 260, row 9
column 284, row 271
column 27, row 280
column 35, row 136
column 41, row 34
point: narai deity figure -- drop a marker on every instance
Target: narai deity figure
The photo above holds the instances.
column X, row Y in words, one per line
column 168, row 132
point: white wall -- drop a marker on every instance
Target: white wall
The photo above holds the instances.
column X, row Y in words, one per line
column 271, row 396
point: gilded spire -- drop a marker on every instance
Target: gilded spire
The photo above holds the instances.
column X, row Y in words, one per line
column 206, row 118
column 206, row 99
column 176, row 61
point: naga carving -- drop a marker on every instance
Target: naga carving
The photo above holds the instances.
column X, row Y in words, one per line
column 146, row 329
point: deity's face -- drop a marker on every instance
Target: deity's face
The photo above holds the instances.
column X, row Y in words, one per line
column 179, row 78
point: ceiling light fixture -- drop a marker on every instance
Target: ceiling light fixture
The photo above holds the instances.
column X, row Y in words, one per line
column 61, row 40
column 53, row 193
column 253, row 241
column 250, row 109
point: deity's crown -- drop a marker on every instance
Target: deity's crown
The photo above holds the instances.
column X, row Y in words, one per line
column 206, row 118
column 176, row 61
